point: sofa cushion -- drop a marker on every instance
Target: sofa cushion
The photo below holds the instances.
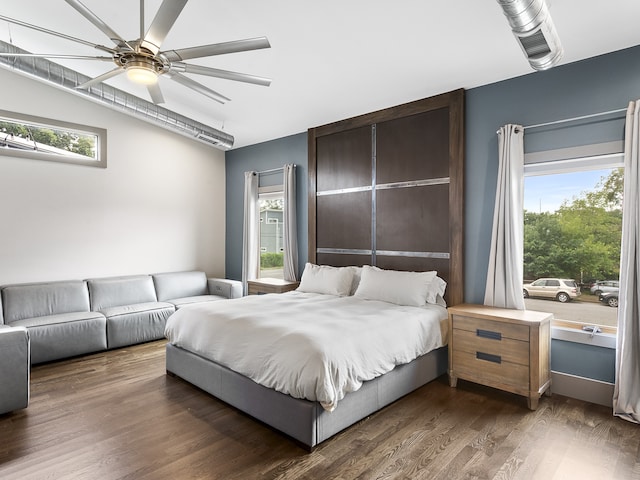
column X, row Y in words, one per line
column 44, row 299
column 137, row 324
column 55, row 319
column 136, row 308
column 118, row 291
column 179, row 285
column 181, row 302
column 56, row 340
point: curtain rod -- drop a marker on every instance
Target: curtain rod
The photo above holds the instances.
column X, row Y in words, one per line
column 273, row 170
column 573, row 119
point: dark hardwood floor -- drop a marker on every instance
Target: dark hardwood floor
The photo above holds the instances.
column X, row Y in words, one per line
column 117, row 415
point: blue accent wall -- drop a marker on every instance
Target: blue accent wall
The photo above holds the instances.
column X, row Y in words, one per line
column 260, row 157
column 587, row 361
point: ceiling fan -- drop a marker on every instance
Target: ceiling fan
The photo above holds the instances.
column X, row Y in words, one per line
column 143, row 61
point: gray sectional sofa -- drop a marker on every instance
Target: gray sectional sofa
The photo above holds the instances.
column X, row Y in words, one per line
column 75, row 317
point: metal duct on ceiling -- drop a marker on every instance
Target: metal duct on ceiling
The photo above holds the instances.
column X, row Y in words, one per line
column 59, row 76
column 533, row 28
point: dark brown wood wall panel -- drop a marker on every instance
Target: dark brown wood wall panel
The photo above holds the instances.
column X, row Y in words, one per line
column 340, row 227
column 414, row 143
column 424, row 209
column 342, row 260
column 414, row 147
column 344, row 159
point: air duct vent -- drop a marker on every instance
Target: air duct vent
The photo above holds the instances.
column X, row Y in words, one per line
column 63, row 77
column 535, row 45
column 532, row 26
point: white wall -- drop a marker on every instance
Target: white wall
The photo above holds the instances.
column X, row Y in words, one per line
column 158, row 206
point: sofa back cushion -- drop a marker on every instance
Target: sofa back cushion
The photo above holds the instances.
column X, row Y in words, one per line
column 118, row 291
column 174, row 285
column 43, row 299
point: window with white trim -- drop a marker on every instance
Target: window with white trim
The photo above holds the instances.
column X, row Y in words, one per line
column 271, row 206
column 37, row 138
column 572, row 233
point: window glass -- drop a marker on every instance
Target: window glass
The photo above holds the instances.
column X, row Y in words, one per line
column 26, row 136
column 271, row 234
column 572, row 234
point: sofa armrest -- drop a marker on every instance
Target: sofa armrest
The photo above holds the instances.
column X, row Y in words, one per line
column 14, row 368
column 225, row 288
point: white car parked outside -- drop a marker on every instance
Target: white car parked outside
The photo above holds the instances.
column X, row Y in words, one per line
column 562, row 289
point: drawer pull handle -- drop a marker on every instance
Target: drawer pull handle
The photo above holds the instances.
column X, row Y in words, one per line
column 489, row 334
column 489, row 357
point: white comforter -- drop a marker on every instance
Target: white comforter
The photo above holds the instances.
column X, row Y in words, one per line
column 317, row 347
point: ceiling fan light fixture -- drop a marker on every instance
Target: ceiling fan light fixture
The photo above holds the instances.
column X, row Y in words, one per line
column 141, row 72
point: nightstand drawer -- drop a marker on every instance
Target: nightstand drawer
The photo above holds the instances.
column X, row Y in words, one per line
column 513, row 351
column 491, row 328
column 482, row 367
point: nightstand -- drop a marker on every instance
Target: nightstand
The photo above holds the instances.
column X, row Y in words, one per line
column 271, row 285
column 501, row 348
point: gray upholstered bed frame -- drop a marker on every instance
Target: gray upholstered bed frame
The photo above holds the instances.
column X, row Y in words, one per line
column 304, row 421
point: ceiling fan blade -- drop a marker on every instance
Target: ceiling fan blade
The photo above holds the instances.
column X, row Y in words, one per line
column 165, row 18
column 100, row 78
column 93, row 18
column 156, row 93
column 198, row 87
column 215, row 72
column 57, row 34
column 217, row 49
column 141, row 19
column 55, row 55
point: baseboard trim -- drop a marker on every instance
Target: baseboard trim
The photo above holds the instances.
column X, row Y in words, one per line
column 587, row 389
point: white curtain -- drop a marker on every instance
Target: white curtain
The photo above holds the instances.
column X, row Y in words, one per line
column 504, row 275
column 290, row 224
column 251, row 230
column 626, row 395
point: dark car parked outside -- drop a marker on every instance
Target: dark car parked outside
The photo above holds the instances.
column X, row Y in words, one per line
column 609, row 298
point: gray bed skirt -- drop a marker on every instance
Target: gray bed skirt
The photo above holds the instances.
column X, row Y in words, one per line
column 303, row 420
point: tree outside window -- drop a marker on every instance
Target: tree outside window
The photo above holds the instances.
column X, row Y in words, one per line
column 579, row 240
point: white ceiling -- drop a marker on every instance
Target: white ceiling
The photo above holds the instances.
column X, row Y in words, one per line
column 328, row 60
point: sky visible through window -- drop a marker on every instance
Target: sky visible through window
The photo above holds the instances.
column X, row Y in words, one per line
column 545, row 193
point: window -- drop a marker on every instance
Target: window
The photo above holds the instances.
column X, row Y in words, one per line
column 572, row 234
column 26, row 136
column 271, row 204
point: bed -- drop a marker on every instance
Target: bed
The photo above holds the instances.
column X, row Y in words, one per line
column 314, row 361
column 385, row 190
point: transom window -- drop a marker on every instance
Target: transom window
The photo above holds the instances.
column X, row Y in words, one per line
column 26, row 136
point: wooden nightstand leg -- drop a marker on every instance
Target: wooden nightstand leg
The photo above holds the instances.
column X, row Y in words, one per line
column 453, row 381
column 532, row 402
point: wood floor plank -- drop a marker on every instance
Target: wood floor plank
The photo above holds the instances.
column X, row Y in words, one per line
column 117, row 416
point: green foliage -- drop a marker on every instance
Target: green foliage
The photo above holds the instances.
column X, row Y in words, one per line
column 56, row 138
column 271, row 260
column 582, row 239
column 272, row 204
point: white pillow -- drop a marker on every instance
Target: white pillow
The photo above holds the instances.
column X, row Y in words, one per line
column 436, row 287
column 325, row 279
column 401, row 288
